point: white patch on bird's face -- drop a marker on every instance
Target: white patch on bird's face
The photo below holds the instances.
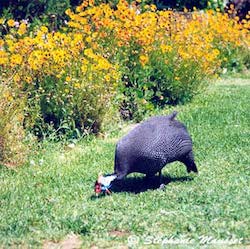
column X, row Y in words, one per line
column 106, row 180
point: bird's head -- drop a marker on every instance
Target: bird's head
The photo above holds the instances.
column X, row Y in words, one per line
column 103, row 184
column 98, row 185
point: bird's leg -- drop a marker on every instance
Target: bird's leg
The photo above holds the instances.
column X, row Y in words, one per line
column 160, row 176
column 108, row 192
column 162, row 185
column 188, row 160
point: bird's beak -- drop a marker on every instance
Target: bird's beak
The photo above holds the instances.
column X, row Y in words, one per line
column 97, row 188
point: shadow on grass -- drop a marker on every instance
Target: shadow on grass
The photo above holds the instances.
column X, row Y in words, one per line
column 137, row 185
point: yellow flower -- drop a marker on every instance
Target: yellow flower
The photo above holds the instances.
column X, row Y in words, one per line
column 77, row 85
column 153, row 7
column 1, row 43
column 88, row 39
column 143, row 59
column 99, row 33
column 44, row 29
column 68, row 12
column 166, row 48
column 89, row 52
column 16, row 59
column 84, row 68
column 10, row 98
column 3, row 58
column 78, row 9
column 107, row 77
column 16, row 78
column 236, row 18
column 11, row 23
column 28, row 79
column 22, row 29
column 216, row 52
column 84, row 61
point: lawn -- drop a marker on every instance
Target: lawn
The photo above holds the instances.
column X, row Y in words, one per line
column 50, row 202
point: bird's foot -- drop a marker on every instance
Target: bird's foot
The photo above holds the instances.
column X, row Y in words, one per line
column 162, row 186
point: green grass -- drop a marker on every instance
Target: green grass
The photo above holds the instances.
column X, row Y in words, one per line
column 52, row 198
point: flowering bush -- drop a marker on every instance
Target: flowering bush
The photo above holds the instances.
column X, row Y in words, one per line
column 163, row 56
column 66, row 81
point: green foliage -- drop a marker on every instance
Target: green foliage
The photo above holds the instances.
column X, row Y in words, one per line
column 180, row 4
column 37, row 12
column 164, row 79
column 172, row 80
column 71, row 107
column 12, row 148
column 235, row 59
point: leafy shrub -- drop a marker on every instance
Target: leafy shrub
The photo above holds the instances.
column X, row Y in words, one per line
column 12, row 149
column 171, row 78
column 37, row 12
column 162, row 77
column 189, row 45
column 70, row 86
column 231, row 39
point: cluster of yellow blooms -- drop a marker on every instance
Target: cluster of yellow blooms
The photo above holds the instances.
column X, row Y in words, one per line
column 195, row 38
column 51, row 53
column 56, row 53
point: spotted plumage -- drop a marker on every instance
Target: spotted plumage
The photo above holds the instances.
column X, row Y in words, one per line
column 151, row 145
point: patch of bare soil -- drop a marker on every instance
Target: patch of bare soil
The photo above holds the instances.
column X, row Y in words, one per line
column 72, row 241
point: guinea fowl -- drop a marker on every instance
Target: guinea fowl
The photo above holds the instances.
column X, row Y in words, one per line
column 148, row 148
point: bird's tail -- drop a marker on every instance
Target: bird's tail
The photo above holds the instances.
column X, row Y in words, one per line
column 173, row 115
